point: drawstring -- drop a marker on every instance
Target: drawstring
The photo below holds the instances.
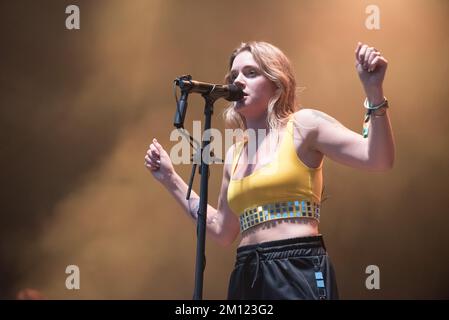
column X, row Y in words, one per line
column 248, row 259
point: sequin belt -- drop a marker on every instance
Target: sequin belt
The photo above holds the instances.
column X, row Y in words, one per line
column 253, row 216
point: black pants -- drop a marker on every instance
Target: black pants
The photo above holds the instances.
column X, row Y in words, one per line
column 297, row 268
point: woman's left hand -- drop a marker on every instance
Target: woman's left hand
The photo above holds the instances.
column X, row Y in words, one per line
column 371, row 66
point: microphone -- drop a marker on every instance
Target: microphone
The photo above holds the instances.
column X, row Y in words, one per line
column 181, row 108
column 230, row 92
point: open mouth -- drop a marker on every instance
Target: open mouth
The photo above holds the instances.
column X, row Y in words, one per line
column 244, row 96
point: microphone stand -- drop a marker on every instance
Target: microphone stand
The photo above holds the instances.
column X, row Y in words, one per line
column 181, row 109
column 210, row 93
column 202, row 211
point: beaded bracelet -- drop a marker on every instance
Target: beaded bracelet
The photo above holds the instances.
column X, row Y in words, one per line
column 369, row 110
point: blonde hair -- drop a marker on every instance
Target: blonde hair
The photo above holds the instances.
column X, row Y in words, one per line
column 277, row 68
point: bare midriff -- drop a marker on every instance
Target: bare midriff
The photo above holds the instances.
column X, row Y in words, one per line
column 279, row 230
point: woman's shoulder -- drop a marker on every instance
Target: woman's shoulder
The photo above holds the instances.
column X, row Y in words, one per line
column 311, row 118
column 306, row 118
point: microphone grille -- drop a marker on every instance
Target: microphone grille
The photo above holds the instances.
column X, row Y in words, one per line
column 235, row 93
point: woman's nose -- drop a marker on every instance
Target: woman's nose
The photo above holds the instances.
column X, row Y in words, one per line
column 239, row 82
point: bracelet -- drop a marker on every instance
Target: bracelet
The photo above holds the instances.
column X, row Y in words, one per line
column 382, row 112
column 370, row 106
column 370, row 109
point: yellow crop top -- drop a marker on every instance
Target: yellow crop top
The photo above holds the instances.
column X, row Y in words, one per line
column 283, row 188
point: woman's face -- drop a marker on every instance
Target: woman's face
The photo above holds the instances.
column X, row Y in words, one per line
column 246, row 74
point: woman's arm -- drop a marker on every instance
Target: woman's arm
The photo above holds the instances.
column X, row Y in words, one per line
column 221, row 224
column 347, row 147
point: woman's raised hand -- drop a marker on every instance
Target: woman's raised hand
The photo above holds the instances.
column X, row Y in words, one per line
column 158, row 162
column 371, row 65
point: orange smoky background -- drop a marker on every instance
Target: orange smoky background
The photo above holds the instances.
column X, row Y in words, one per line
column 80, row 107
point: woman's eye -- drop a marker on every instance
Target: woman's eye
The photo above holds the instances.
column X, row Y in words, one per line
column 252, row 73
